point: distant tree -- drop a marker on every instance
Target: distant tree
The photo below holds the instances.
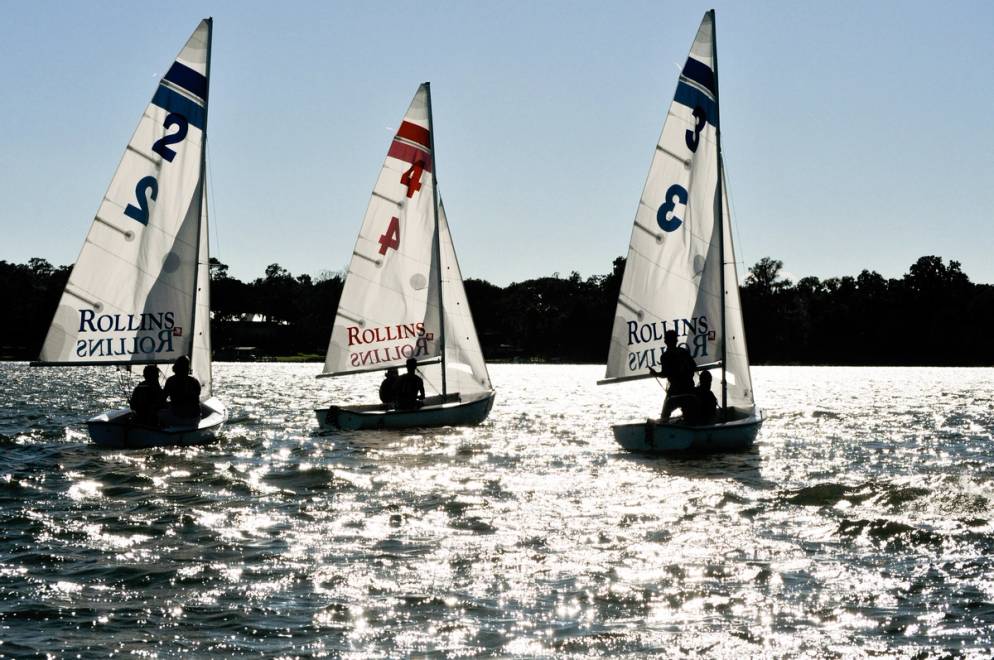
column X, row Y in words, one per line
column 218, row 270
column 930, row 275
column 277, row 272
column 40, row 267
column 774, row 317
column 764, row 277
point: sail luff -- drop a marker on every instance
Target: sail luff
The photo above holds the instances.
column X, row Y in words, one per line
column 720, row 206
column 203, row 245
column 436, row 241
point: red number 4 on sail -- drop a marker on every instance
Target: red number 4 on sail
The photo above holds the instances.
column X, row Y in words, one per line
column 391, row 239
column 412, row 178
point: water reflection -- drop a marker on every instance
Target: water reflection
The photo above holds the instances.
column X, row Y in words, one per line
column 860, row 523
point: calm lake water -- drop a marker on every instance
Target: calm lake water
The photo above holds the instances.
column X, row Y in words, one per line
column 861, row 524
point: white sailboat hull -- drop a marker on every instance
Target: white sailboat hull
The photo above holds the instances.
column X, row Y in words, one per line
column 116, row 430
column 737, row 434
column 448, row 413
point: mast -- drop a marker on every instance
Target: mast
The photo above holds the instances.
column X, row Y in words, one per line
column 436, row 242
column 202, row 191
column 720, row 194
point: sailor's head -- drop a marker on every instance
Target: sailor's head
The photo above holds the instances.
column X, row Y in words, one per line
column 705, row 379
column 669, row 338
column 181, row 366
column 412, row 364
column 151, row 373
column 392, row 372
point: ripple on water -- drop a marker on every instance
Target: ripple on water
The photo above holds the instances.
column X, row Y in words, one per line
column 860, row 524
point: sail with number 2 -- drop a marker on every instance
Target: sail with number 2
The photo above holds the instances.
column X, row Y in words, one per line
column 403, row 296
column 139, row 290
column 680, row 270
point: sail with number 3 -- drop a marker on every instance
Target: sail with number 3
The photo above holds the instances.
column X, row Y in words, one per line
column 680, row 270
column 138, row 293
column 403, row 296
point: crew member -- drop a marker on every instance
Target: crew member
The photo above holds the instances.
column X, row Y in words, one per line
column 677, row 367
column 147, row 398
column 388, row 388
column 183, row 393
column 410, row 388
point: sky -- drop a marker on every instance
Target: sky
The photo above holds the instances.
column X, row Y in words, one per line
column 856, row 134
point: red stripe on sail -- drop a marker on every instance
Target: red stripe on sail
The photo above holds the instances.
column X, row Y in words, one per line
column 409, row 154
column 414, row 133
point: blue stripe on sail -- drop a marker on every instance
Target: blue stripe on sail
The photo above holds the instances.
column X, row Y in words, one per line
column 188, row 79
column 692, row 97
column 171, row 101
column 700, row 73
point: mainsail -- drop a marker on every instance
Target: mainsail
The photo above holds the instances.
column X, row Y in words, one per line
column 388, row 311
column 673, row 274
column 403, row 295
column 132, row 295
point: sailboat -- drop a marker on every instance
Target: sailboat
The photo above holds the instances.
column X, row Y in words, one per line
column 680, row 271
column 403, row 296
column 139, row 291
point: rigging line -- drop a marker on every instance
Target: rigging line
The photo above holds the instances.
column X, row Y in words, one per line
column 124, row 382
column 212, row 221
column 739, row 248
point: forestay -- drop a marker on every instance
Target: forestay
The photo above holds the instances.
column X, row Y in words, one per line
column 673, row 275
column 130, row 298
column 389, row 310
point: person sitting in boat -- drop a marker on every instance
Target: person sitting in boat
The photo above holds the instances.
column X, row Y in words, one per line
column 183, row 393
column 677, row 367
column 388, row 388
column 410, row 388
column 147, row 397
column 705, row 408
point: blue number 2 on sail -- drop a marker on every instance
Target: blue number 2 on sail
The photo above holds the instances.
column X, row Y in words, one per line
column 675, row 194
column 183, row 126
column 147, row 187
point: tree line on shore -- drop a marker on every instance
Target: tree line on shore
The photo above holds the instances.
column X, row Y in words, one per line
column 933, row 315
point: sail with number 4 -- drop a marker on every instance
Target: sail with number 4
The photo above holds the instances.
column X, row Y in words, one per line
column 680, row 271
column 403, row 295
column 138, row 292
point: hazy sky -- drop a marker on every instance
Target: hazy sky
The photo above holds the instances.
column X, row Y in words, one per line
column 856, row 134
